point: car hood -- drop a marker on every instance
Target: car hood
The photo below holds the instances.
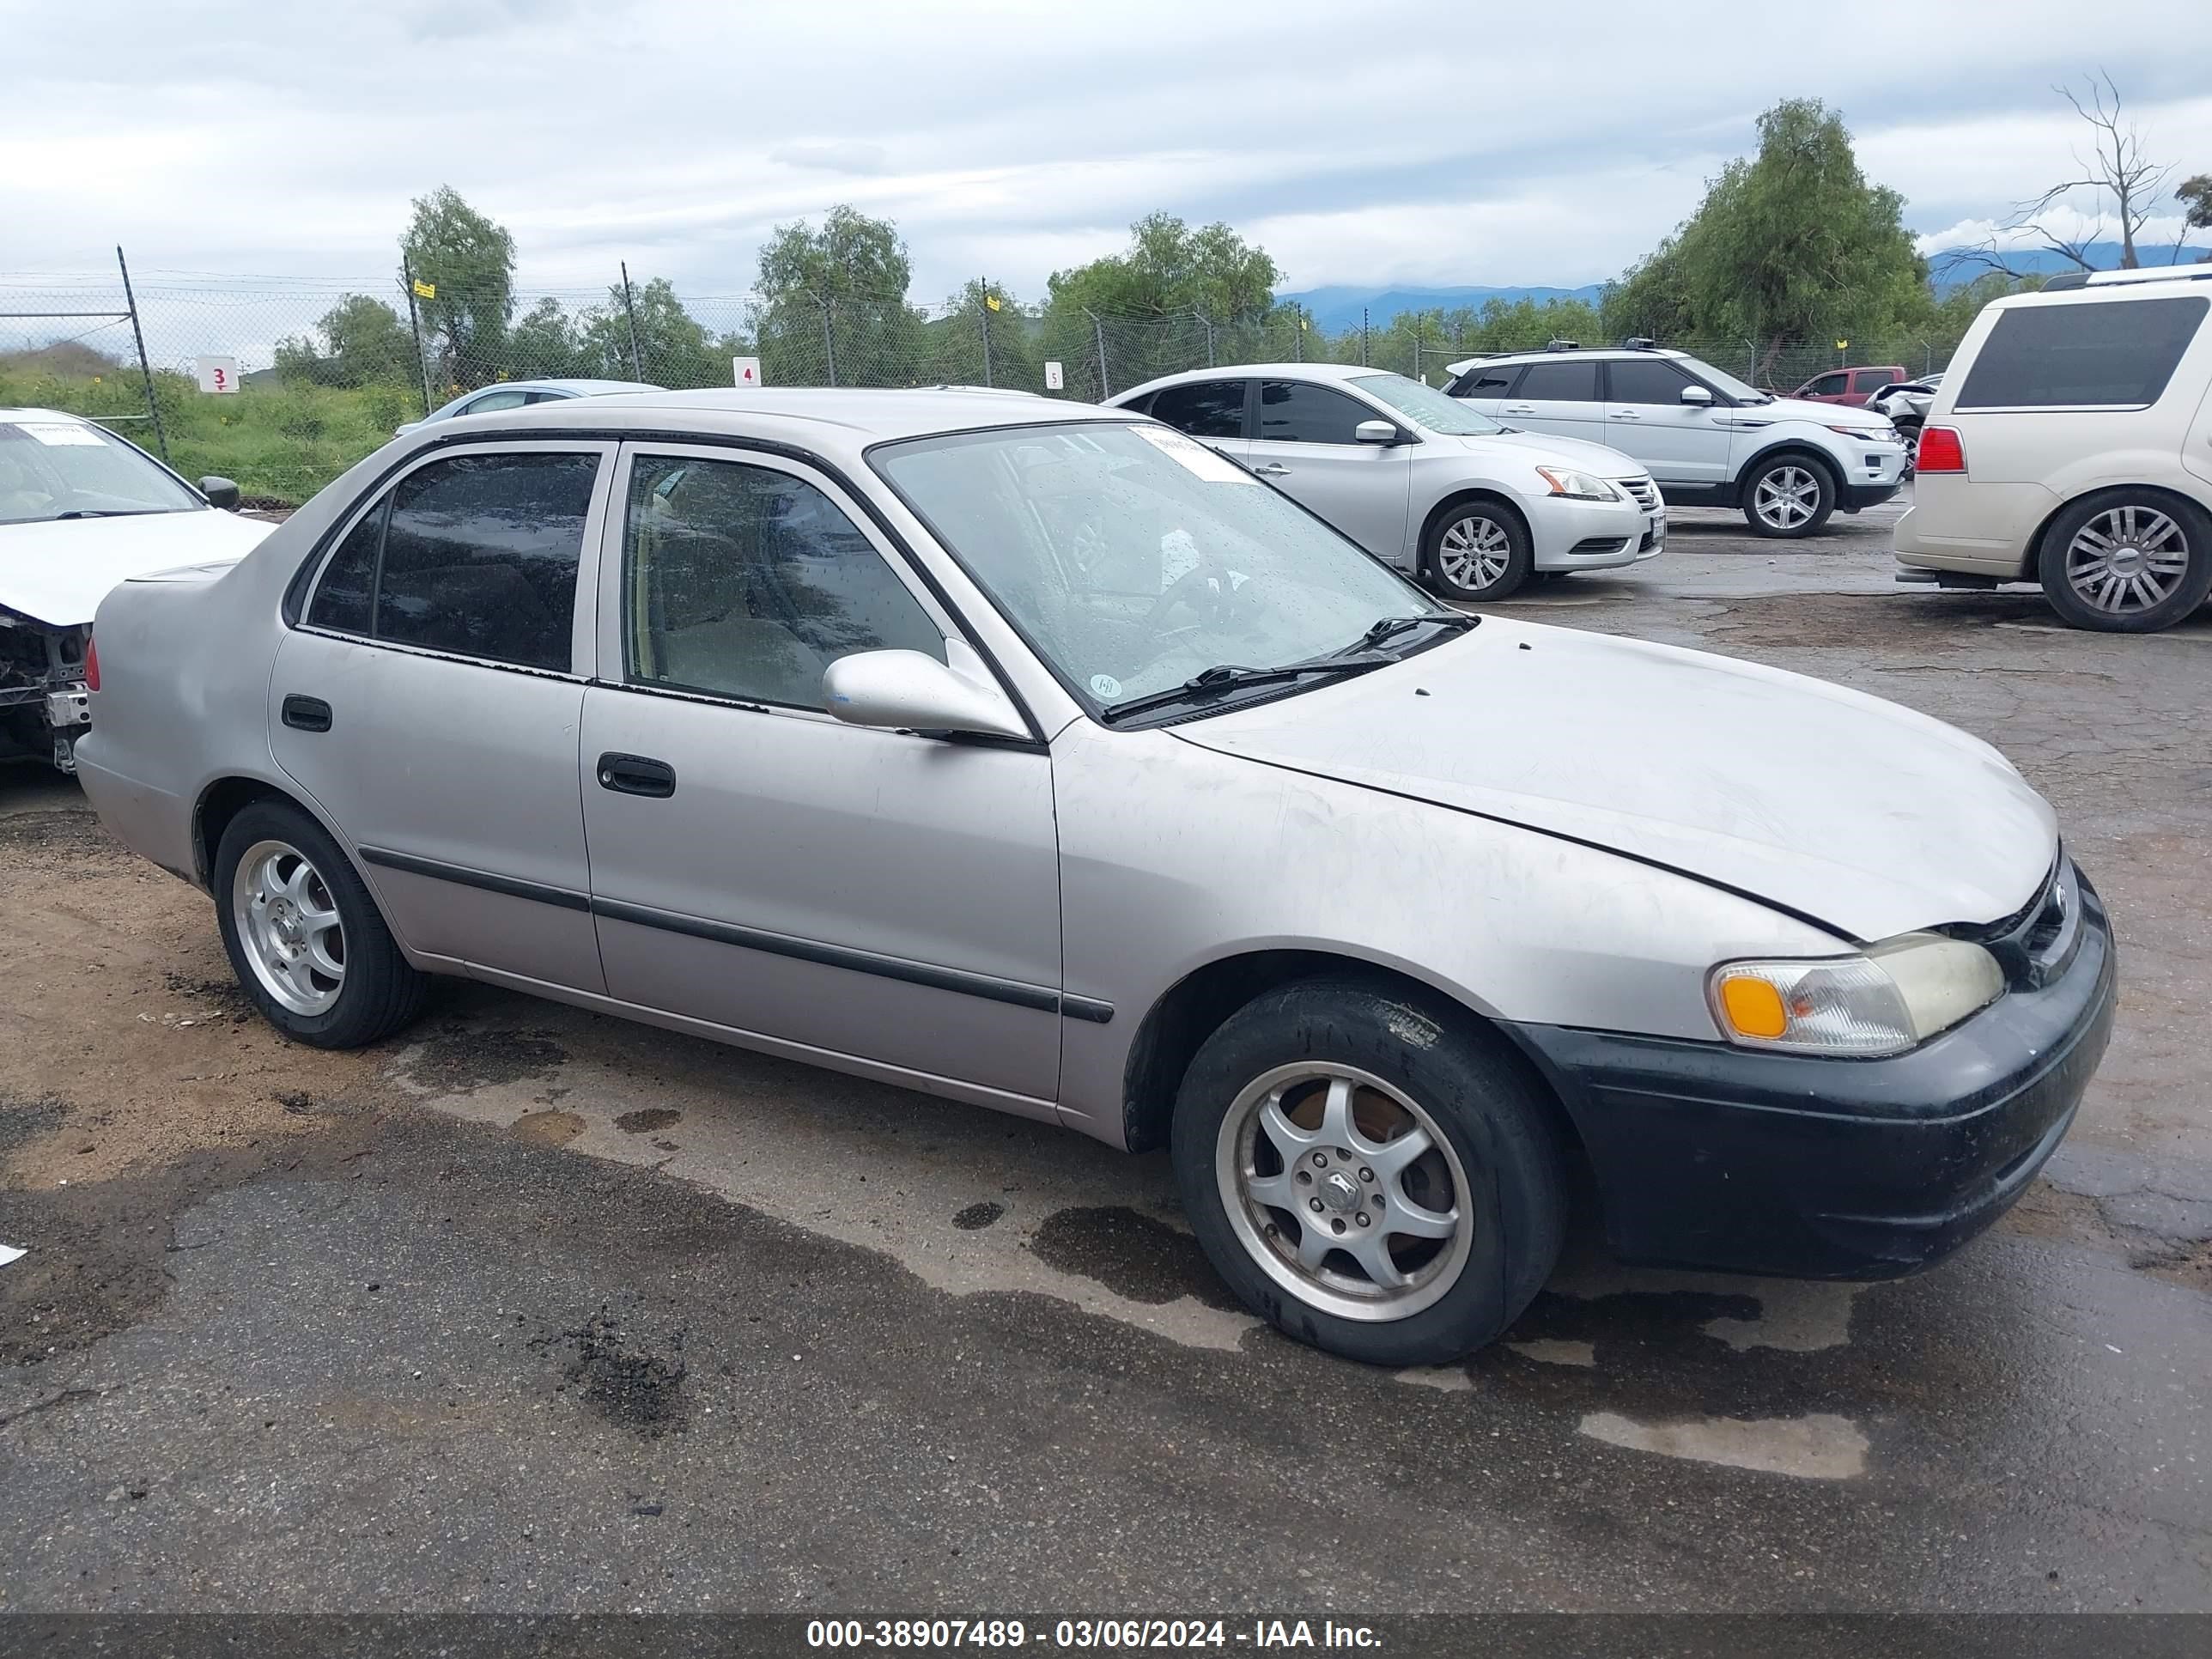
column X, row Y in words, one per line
column 1544, row 449
column 1802, row 409
column 1851, row 811
column 59, row 573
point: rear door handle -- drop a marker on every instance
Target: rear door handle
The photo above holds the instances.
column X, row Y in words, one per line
column 1626, row 414
column 1271, row 470
column 634, row 774
column 306, row 713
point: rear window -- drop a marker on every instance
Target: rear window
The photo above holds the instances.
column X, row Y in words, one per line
column 2118, row 354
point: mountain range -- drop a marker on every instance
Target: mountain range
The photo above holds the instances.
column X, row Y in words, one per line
column 1339, row 308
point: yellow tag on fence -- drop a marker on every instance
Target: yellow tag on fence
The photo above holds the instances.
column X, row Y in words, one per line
column 992, row 301
column 425, row 290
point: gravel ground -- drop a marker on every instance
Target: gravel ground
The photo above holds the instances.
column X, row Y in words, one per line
column 531, row 1310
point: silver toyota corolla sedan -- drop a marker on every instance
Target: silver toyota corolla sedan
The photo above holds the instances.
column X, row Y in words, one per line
column 1034, row 755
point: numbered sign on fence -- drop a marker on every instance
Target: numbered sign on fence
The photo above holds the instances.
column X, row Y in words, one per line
column 1054, row 379
column 746, row 371
column 217, row 374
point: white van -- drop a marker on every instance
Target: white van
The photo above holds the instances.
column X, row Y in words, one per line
column 2071, row 444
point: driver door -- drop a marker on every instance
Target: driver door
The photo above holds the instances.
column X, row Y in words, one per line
column 840, row 892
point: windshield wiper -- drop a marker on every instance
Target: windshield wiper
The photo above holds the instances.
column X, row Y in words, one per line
column 105, row 513
column 1224, row 677
column 1391, row 627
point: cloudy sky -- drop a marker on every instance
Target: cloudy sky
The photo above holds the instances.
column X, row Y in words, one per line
column 1462, row 143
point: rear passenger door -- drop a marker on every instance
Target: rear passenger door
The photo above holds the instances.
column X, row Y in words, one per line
column 429, row 702
column 835, row 890
column 1304, row 443
column 1563, row 398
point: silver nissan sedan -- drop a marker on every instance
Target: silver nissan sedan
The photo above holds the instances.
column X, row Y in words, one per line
column 1035, row 756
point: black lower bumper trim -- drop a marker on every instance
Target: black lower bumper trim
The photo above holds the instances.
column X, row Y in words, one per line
column 1712, row 1156
column 1855, row 497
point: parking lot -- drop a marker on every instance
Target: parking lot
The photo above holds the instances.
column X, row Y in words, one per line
column 536, row 1310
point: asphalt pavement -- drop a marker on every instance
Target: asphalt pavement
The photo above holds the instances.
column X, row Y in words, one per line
column 537, row 1311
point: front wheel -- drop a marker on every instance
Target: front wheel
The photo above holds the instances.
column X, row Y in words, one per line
column 2127, row 562
column 1478, row 550
column 1366, row 1176
column 1789, row 496
column 304, row 938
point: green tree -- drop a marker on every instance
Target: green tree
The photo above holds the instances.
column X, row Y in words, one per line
column 956, row 340
column 673, row 347
column 2196, row 196
column 1791, row 245
column 468, row 263
column 833, row 305
column 364, row 342
column 1168, row 267
column 543, row 343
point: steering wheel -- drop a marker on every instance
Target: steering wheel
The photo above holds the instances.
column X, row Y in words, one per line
column 1206, row 588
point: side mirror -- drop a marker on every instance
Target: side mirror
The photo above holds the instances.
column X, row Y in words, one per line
column 1696, row 396
column 220, row 492
column 910, row 691
column 1376, row 432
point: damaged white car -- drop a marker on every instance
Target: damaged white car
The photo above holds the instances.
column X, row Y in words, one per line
column 81, row 510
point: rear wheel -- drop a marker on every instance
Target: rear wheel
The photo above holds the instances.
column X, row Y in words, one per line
column 1789, row 496
column 1478, row 550
column 2126, row 562
column 304, row 938
column 1366, row 1176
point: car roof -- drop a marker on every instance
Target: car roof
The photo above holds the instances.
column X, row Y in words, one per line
column 1542, row 354
column 32, row 413
column 567, row 383
column 1319, row 372
column 840, row 421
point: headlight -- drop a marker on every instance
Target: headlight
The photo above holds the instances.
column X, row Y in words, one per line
column 1869, row 434
column 1578, row 486
column 1882, row 1001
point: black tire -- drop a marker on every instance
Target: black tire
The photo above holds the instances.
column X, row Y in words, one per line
column 1909, row 430
column 379, row 992
column 1499, row 1126
column 1493, row 528
column 2189, row 538
column 1779, row 468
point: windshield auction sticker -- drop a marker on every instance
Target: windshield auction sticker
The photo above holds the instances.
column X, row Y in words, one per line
column 1196, row 458
column 58, row 432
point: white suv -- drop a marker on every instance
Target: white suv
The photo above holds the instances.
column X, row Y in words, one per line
column 1710, row 440
column 2071, row 444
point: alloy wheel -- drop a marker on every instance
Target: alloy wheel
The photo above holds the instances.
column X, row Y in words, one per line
column 1345, row 1191
column 1474, row 552
column 2127, row 559
column 288, row 922
column 1787, row 497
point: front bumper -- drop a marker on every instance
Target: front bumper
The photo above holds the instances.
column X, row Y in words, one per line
column 1708, row 1156
column 1572, row 535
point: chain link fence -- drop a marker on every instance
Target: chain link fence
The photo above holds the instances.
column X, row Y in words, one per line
column 316, row 374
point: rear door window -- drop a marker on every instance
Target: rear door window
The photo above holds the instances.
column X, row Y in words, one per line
column 475, row 554
column 1828, row 385
column 2117, row 354
column 1487, row 380
column 1559, row 383
column 1209, row 409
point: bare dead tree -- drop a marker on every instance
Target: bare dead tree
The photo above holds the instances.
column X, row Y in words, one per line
column 2118, row 169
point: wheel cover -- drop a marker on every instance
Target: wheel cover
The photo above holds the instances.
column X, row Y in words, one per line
column 289, row 928
column 1474, row 552
column 1787, row 498
column 2127, row 559
column 1345, row 1191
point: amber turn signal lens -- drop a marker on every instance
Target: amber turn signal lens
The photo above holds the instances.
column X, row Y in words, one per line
column 1753, row 1007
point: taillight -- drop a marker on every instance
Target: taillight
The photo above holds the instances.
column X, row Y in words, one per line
column 1940, row 451
column 91, row 666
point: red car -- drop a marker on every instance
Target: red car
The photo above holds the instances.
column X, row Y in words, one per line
column 1849, row 385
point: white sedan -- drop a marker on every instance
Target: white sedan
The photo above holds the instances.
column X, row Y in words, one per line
column 1421, row 481
column 79, row 511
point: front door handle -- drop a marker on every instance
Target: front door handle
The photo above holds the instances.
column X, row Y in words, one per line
column 306, row 713
column 634, row 774
column 1626, row 414
column 1273, row 470
column 1518, row 408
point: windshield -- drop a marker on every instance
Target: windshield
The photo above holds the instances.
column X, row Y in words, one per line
column 58, row 469
column 1133, row 559
column 1725, row 383
column 1427, row 406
